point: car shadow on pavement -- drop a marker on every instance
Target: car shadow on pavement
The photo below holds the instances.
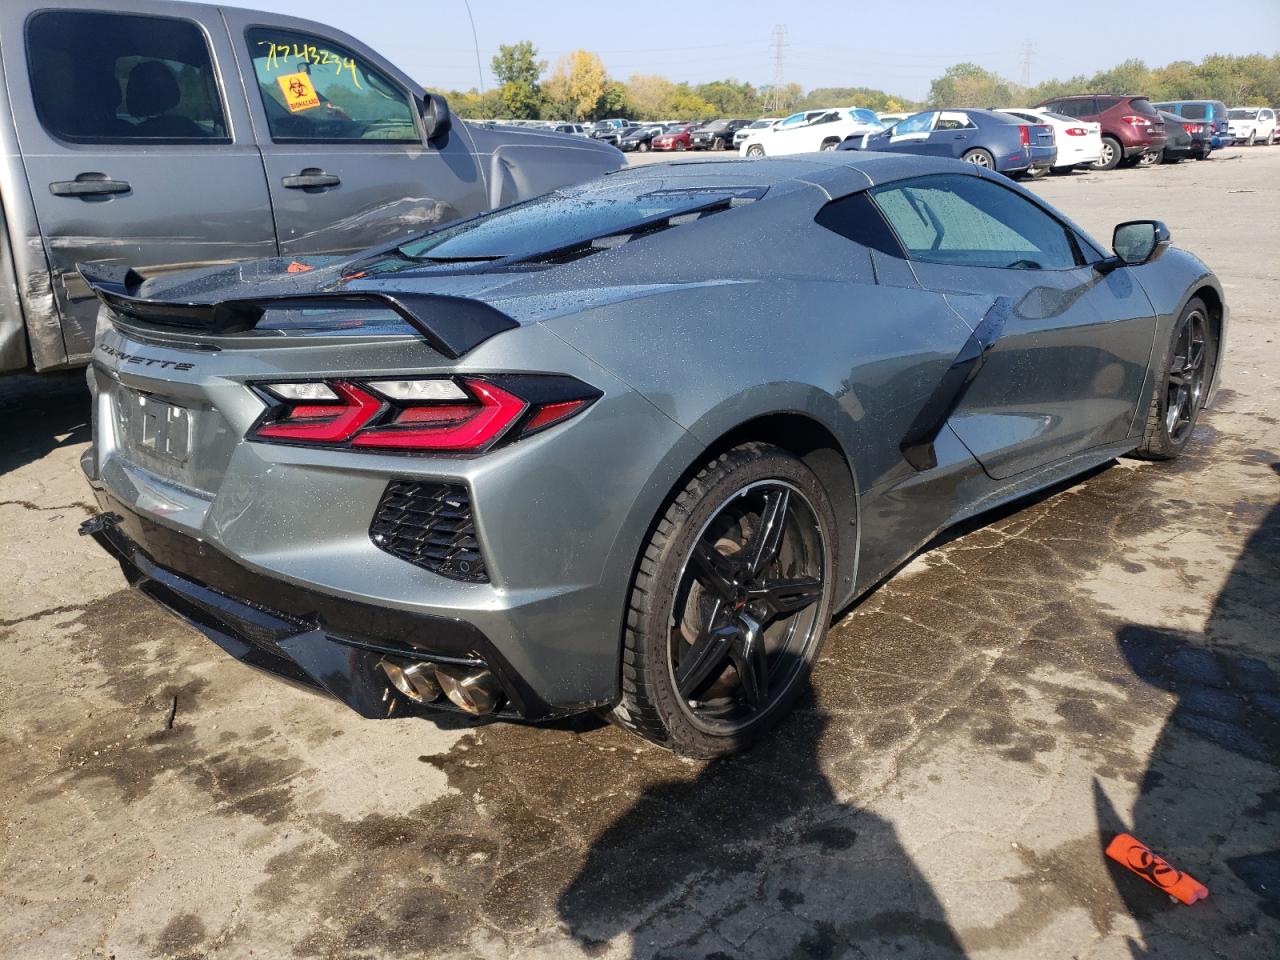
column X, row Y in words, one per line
column 1209, row 800
column 757, row 856
column 41, row 414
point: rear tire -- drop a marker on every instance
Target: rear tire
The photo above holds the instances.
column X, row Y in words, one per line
column 829, row 144
column 679, row 146
column 1112, row 154
column 1151, row 159
column 1182, row 385
column 755, row 150
column 979, row 158
column 1035, row 173
column 679, row 625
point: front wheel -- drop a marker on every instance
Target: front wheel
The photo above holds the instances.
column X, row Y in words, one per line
column 979, row 158
column 642, row 148
column 679, row 146
column 755, row 150
column 1182, row 385
column 1253, row 135
column 718, row 143
column 730, row 604
column 1111, row 154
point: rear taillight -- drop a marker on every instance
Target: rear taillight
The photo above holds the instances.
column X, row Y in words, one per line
column 1076, row 132
column 1024, row 134
column 1193, row 128
column 1137, row 121
column 437, row 414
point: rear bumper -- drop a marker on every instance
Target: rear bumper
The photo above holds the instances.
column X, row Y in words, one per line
column 308, row 638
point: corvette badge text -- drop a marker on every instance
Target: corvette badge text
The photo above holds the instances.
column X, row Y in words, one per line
column 145, row 361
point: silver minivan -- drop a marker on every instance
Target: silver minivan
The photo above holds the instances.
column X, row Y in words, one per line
column 170, row 135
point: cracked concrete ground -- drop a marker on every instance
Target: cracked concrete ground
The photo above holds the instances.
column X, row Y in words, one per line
column 1103, row 658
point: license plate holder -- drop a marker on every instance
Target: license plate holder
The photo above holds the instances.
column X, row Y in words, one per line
column 159, row 430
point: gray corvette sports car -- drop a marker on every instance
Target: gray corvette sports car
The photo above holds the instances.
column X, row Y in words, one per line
column 626, row 447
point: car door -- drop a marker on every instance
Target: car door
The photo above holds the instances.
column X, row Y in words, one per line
column 1067, row 371
column 910, row 135
column 137, row 150
column 342, row 140
column 952, row 134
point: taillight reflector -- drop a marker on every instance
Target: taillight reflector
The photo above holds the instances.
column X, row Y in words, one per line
column 1076, row 132
column 1136, row 121
column 1024, row 133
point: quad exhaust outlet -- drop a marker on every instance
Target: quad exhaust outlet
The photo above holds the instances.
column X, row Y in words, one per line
column 474, row 690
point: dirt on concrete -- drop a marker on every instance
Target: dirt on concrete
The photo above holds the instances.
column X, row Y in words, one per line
column 1104, row 658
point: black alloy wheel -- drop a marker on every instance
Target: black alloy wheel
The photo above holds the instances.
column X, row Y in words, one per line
column 730, row 603
column 743, row 612
column 1183, row 384
column 1186, row 382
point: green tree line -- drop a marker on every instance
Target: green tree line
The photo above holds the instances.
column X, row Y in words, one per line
column 579, row 88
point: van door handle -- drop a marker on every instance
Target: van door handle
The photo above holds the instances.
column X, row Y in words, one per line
column 88, row 185
column 310, row 177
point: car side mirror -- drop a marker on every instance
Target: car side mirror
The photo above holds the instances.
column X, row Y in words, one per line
column 1137, row 242
column 435, row 116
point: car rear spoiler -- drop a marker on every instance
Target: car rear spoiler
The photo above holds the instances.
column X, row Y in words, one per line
column 452, row 326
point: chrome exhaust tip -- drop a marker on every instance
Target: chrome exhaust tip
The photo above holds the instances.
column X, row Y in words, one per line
column 417, row 681
column 475, row 690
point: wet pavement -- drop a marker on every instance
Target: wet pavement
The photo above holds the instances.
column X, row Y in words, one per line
column 1103, row 658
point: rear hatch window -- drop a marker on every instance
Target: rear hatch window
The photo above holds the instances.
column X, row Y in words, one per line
column 557, row 221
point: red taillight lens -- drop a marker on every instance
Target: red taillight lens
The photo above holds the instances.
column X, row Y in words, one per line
column 448, row 415
column 1193, row 128
column 1024, row 133
column 1136, row 121
column 450, row 427
column 1077, row 132
column 323, row 422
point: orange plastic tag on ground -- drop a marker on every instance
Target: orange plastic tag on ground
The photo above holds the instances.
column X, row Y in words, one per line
column 1136, row 856
column 297, row 267
column 298, row 92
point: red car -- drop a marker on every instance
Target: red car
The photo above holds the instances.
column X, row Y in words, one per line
column 1131, row 126
column 675, row 137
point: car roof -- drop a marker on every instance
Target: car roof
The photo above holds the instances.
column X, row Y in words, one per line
column 837, row 172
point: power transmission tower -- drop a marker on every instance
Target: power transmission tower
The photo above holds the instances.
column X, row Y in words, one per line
column 777, row 43
column 1027, row 51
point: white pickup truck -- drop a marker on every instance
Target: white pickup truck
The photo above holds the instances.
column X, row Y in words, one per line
column 171, row 135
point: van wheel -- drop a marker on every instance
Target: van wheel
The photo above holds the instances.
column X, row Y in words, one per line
column 730, row 604
column 1111, row 154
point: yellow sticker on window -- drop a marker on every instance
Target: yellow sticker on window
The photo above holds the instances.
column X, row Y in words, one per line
column 299, row 94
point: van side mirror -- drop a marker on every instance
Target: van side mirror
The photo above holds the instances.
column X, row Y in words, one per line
column 1137, row 242
column 435, row 116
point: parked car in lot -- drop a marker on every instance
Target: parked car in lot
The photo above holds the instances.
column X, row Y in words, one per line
column 750, row 128
column 985, row 138
column 1212, row 112
column 176, row 135
column 639, row 139
column 1079, row 142
column 1131, row 127
column 1183, row 139
column 813, row 131
column 1250, row 125
column 613, row 135
column 575, row 128
column 677, row 136
column 716, row 135
column 498, row 497
column 610, row 127
column 889, row 119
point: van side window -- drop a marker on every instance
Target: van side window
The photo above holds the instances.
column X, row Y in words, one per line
column 117, row 78
column 315, row 91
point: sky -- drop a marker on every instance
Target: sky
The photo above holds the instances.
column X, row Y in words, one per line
column 898, row 45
